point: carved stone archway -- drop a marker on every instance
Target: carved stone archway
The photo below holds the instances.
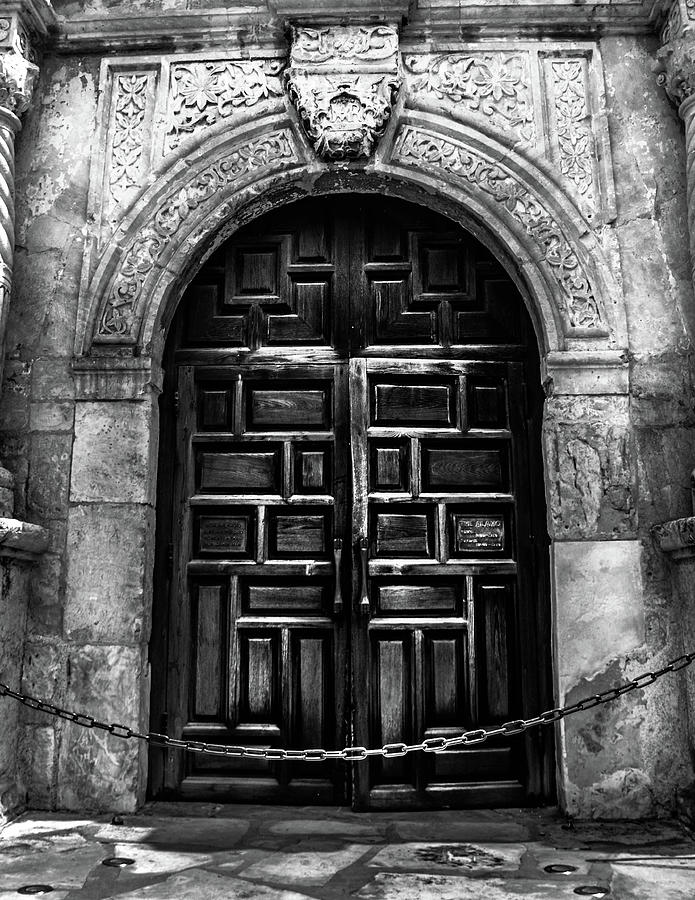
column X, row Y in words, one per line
column 474, row 176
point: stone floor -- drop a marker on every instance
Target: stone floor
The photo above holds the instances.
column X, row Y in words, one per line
column 206, row 852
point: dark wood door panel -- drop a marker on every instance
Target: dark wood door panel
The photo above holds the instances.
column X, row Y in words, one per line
column 258, row 640
column 438, row 649
column 313, row 601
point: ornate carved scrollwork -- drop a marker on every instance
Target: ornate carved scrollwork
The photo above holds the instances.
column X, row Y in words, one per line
column 142, row 254
column 418, row 147
column 343, row 81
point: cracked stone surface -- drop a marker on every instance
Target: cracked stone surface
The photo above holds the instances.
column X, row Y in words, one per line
column 210, row 852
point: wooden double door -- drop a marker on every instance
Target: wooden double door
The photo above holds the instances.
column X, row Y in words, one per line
column 349, row 546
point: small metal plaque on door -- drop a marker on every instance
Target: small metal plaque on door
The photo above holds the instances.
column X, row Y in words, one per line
column 476, row 533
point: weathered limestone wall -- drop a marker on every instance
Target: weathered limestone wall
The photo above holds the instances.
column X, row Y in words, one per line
column 622, row 466
column 84, row 461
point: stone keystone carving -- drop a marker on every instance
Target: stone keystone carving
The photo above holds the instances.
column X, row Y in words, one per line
column 343, row 80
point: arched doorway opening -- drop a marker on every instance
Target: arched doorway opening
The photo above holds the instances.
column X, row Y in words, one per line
column 352, row 546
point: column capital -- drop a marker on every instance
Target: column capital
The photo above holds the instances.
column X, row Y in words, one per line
column 676, row 66
column 18, row 69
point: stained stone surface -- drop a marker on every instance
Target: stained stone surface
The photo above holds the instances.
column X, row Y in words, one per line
column 112, row 453
column 196, row 885
column 487, row 829
column 388, row 886
column 211, row 852
column 639, row 881
column 466, row 857
column 62, row 863
column 211, row 834
column 321, row 827
column 156, row 861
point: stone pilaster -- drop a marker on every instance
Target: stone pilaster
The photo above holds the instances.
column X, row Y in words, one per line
column 677, row 540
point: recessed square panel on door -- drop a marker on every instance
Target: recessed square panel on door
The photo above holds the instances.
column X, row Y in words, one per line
column 255, row 272
column 239, row 468
column 215, row 405
column 389, row 465
column 313, row 468
column 403, row 530
column 413, row 404
column 288, row 406
column 441, row 267
column 264, row 596
column 418, row 597
column 299, row 532
column 486, row 402
column 464, row 467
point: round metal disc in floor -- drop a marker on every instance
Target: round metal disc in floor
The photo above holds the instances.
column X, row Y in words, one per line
column 117, row 862
column 560, row 869
column 592, row 890
column 35, row 889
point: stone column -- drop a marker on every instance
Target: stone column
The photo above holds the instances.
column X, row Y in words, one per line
column 18, row 75
column 20, row 542
column 676, row 72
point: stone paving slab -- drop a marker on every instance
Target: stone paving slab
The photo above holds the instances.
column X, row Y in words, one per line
column 186, row 831
column 435, row 857
column 304, row 868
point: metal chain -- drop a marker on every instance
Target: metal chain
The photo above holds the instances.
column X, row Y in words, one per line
column 354, row 754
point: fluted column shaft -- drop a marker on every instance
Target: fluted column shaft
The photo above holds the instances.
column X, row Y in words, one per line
column 687, row 113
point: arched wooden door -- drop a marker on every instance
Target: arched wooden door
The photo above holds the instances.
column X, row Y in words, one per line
column 351, row 530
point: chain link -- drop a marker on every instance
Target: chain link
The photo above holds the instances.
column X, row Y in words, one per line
column 356, row 754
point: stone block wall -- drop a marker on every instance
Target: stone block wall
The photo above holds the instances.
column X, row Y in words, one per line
column 618, row 451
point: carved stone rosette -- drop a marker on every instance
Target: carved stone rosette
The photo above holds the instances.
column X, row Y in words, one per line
column 343, row 81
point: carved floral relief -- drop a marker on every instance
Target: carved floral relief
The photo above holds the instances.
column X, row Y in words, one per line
column 418, row 147
column 130, row 101
column 495, row 84
column 573, row 131
column 202, row 93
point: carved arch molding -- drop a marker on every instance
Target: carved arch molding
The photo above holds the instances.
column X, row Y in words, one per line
column 462, row 136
